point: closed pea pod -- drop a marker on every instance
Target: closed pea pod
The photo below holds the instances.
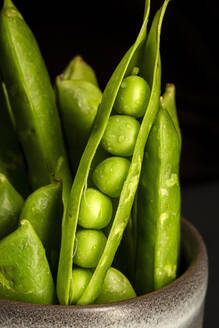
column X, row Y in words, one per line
column 168, row 102
column 43, row 209
column 19, row 280
column 159, row 206
column 116, row 287
column 78, row 98
column 152, row 75
column 32, row 99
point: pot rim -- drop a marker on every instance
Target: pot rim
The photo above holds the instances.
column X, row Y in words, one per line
column 199, row 259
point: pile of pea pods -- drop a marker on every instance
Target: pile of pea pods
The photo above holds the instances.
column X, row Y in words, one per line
column 89, row 181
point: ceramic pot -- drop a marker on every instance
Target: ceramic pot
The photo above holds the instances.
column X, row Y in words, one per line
column 178, row 305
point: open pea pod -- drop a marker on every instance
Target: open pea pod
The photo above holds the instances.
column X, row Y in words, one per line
column 145, row 56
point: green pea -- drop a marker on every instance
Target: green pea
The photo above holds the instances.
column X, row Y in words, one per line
column 120, row 135
column 133, row 96
column 89, row 248
column 109, row 175
column 79, row 281
column 95, row 211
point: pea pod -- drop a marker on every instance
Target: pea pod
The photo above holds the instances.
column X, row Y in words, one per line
column 78, row 98
column 11, row 158
column 150, row 70
column 169, row 103
column 43, row 209
column 158, row 213
column 19, row 280
column 11, row 204
column 79, row 70
column 32, row 99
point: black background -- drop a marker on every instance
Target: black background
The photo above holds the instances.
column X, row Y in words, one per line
column 101, row 32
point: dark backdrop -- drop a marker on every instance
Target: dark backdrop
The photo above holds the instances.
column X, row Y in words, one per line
column 102, row 32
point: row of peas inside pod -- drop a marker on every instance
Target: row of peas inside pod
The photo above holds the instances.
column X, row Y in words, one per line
column 106, row 182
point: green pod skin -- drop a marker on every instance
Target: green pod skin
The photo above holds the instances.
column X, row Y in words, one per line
column 168, row 101
column 11, row 204
column 32, row 99
column 143, row 54
column 11, row 158
column 127, row 246
column 159, row 208
column 78, row 98
column 43, row 209
column 19, row 280
column 78, row 69
column 116, row 286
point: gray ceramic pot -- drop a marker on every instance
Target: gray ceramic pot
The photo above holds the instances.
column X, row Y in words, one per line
column 179, row 305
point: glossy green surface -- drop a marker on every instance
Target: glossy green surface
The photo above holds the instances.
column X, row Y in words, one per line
column 95, row 211
column 116, row 287
column 120, row 135
column 10, row 206
column 11, row 158
column 80, row 280
column 168, row 102
column 150, row 71
column 159, row 207
column 78, row 98
column 78, row 69
column 19, row 280
column 133, row 96
column 89, row 247
column 109, row 176
column 32, row 99
column 43, row 209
